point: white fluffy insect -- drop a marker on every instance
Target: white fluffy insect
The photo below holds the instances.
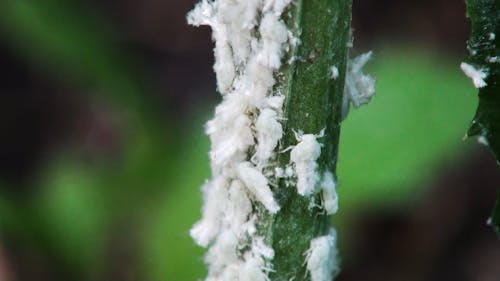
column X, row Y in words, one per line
column 205, row 13
column 329, row 193
column 260, row 248
column 230, row 132
column 250, row 13
column 304, row 157
column 231, row 145
column 274, row 34
column 483, row 140
column 230, row 272
column 239, row 19
column 334, row 72
column 321, row 258
column 238, row 208
column 257, row 83
column 359, row 87
column 225, row 70
column 278, row 6
column 258, row 186
column 214, row 192
column 476, row 75
column 252, row 270
column 222, row 252
column 269, row 132
column 276, row 102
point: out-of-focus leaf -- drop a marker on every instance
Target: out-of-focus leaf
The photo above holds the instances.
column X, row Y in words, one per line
column 169, row 252
column 484, row 56
column 70, row 212
column 389, row 147
column 68, row 41
column 13, row 217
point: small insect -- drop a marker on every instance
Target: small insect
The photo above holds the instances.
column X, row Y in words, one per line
column 230, row 143
column 274, row 34
column 257, row 185
column 359, row 87
column 222, row 252
column 269, row 132
column 334, row 72
column 260, row 248
column 321, row 257
column 205, row 230
column 250, row 13
column 230, row 272
column 238, row 208
column 477, row 75
column 205, row 14
column 304, row 157
column 252, row 269
column 329, row 193
column 277, row 5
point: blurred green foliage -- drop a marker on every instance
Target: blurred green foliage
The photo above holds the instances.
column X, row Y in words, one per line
column 74, row 43
column 387, row 151
column 416, row 119
column 70, row 211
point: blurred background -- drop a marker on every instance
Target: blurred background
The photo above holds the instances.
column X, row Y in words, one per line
column 102, row 151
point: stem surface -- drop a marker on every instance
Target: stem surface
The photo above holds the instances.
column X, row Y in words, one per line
column 313, row 102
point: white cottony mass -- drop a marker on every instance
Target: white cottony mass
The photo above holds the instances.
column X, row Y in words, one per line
column 359, row 87
column 321, row 258
column 251, row 40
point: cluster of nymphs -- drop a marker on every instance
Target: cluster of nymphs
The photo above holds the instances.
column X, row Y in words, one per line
column 250, row 42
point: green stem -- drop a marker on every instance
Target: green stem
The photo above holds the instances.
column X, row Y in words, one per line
column 313, row 102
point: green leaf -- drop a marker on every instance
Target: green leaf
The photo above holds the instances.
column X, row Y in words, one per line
column 484, row 54
column 415, row 121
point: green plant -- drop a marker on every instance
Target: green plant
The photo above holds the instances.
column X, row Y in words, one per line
column 483, row 66
column 287, row 85
column 286, row 82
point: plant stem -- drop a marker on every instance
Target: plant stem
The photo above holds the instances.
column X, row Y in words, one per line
column 484, row 55
column 313, row 102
